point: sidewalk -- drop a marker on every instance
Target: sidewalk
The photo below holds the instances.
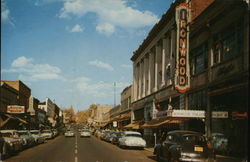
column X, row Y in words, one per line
column 219, row 158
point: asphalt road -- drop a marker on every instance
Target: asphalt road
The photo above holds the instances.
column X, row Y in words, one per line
column 76, row 149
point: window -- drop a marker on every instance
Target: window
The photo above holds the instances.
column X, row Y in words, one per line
column 197, row 100
column 227, row 43
column 198, row 59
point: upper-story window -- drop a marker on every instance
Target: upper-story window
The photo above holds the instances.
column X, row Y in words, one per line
column 198, row 59
column 227, row 43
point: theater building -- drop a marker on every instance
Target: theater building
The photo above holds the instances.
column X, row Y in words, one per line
column 191, row 72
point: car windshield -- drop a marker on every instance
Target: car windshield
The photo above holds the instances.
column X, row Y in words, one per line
column 46, row 131
column 34, row 132
column 6, row 134
column 133, row 135
column 23, row 133
column 192, row 138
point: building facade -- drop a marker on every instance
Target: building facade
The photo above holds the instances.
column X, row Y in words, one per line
column 23, row 90
column 207, row 48
column 8, row 96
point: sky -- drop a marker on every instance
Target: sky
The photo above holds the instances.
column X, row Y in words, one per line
column 75, row 52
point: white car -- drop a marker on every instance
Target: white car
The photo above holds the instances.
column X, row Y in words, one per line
column 131, row 139
column 39, row 138
column 47, row 133
column 69, row 133
column 28, row 139
column 11, row 142
column 85, row 133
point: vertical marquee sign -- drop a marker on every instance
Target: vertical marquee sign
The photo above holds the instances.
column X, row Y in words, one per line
column 182, row 74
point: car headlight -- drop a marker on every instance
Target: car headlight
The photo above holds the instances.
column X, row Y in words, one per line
column 11, row 144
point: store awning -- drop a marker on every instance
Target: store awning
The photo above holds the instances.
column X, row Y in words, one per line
column 160, row 122
column 136, row 125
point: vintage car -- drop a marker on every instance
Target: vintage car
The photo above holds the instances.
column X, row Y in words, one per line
column 183, row 145
column 39, row 138
column 131, row 139
column 220, row 143
column 84, row 133
column 11, row 142
column 55, row 132
column 28, row 139
column 115, row 136
column 69, row 133
column 47, row 133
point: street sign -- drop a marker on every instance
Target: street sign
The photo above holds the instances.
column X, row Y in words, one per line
column 15, row 109
column 114, row 123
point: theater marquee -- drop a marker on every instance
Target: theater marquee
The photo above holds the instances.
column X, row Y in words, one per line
column 182, row 74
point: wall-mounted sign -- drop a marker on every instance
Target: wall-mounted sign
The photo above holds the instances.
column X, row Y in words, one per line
column 15, row 109
column 186, row 113
column 219, row 114
column 182, row 74
column 114, row 123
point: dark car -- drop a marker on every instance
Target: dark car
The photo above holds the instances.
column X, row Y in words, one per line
column 183, row 145
column 115, row 137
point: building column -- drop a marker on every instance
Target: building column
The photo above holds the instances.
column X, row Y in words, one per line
column 156, row 76
column 140, row 80
column 142, row 77
column 150, row 63
column 164, row 51
column 134, row 95
column 145, row 77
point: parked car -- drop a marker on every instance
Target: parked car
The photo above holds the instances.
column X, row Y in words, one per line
column 12, row 143
column 131, row 139
column 47, row 133
column 103, row 134
column 28, row 139
column 107, row 136
column 69, row 133
column 85, row 133
column 183, row 145
column 39, row 138
column 55, row 132
column 115, row 137
column 220, row 143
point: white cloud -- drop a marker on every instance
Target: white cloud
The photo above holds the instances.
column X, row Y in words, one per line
column 106, row 28
column 126, row 66
column 101, row 65
column 112, row 12
column 29, row 71
column 5, row 14
column 77, row 28
column 100, row 89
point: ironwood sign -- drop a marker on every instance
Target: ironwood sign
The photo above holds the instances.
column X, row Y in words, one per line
column 182, row 74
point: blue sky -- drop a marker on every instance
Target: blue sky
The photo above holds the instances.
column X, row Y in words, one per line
column 73, row 51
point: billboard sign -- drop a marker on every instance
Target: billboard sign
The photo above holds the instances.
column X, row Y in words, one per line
column 182, row 74
column 15, row 109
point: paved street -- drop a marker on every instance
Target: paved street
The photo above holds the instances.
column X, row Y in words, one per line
column 76, row 149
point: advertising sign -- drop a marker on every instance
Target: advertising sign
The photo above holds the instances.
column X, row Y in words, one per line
column 186, row 113
column 114, row 123
column 15, row 109
column 182, row 74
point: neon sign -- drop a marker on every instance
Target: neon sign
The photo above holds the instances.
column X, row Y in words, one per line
column 182, row 74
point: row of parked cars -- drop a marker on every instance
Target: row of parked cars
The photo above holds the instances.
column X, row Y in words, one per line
column 14, row 141
column 179, row 145
column 126, row 139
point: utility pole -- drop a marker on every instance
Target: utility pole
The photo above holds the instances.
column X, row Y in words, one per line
column 114, row 95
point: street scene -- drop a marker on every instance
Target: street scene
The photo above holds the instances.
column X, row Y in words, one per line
column 124, row 81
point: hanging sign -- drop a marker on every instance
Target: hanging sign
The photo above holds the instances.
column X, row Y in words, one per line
column 182, row 74
column 15, row 109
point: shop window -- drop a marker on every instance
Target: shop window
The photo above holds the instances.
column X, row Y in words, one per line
column 198, row 59
column 197, row 100
column 227, row 43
